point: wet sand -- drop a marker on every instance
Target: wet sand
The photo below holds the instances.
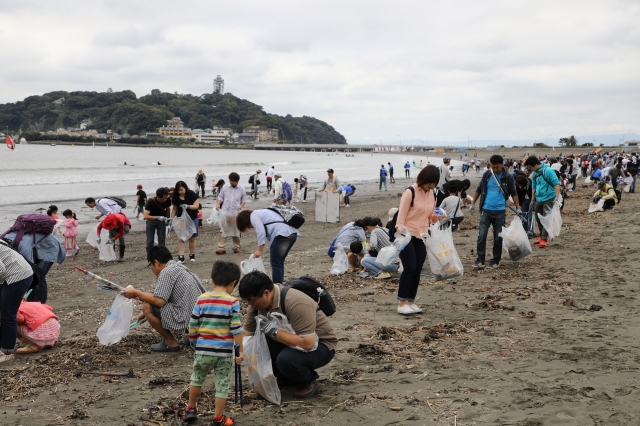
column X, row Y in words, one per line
column 548, row 340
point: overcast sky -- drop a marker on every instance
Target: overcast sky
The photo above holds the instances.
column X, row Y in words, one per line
column 375, row 70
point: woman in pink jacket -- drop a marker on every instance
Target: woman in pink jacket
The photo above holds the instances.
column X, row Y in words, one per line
column 415, row 216
column 70, row 233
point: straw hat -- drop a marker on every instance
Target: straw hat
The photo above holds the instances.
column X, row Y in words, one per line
column 258, row 171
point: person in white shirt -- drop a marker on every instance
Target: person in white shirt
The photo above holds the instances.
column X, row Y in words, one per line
column 270, row 174
column 278, row 190
column 452, row 205
column 105, row 206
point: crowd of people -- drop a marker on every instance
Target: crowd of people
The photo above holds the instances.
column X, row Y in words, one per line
column 180, row 304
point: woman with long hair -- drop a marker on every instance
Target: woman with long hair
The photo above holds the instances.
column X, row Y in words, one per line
column 415, row 212
column 183, row 196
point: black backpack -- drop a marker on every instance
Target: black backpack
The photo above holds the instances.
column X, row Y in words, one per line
column 122, row 203
column 391, row 225
column 312, row 288
column 353, row 188
column 251, row 178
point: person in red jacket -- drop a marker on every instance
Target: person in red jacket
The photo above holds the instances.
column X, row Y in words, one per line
column 118, row 225
column 38, row 327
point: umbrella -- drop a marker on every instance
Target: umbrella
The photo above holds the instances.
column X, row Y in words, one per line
column 103, row 284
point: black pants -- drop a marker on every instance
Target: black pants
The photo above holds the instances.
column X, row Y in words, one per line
column 201, row 185
column 609, row 204
column 305, row 191
column 391, row 179
column 412, row 257
column 406, row 173
column 296, row 366
column 153, row 227
column 269, row 181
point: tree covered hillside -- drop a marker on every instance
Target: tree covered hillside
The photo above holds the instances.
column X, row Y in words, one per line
column 123, row 113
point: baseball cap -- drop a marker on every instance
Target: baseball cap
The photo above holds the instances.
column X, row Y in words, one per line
column 278, row 174
column 329, row 170
column 139, row 186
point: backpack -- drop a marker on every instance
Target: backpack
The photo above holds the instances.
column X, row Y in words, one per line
column 312, row 288
column 122, row 203
column 31, row 223
column 286, row 191
column 251, row 178
column 292, row 215
column 39, row 293
column 391, row 226
column 200, row 177
column 353, row 188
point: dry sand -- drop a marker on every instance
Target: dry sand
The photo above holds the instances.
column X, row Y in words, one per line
column 521, row 345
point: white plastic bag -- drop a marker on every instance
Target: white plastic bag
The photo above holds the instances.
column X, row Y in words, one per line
column 388, row 253
column 515, row 241
column 116, row 326
column 214, row 218
column 627, row 188
column 228, row 225
column 283, row 324
column 628, row 180
column 340, row 262
column 183, row 226
column 552, row 222
column 587, row 180
column 443, row 257
column 597, row 207
column 260, row 371
column 252, row 264
column 107, row 252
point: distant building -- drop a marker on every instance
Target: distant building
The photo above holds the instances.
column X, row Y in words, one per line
column 632, row 143
column 248, row 138
column 175, row 129
column 212, row 136
column 218, row 85
column 153, row 135
column 85, row 123
column 263, row 133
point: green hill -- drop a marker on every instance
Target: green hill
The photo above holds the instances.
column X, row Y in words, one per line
column 123, row 113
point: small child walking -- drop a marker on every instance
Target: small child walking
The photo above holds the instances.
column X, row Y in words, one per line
column 214, row 327
column 70, row 233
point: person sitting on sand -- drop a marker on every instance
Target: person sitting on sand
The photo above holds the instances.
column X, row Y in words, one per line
column 379, row 239
column 38, row 327
column 313, row 331
column 354, row 257
column 352, row 231
column 168, row 309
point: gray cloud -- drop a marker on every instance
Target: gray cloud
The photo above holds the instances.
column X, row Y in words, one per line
column 373, row 70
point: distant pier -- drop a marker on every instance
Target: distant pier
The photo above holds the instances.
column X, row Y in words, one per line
column 315, row 147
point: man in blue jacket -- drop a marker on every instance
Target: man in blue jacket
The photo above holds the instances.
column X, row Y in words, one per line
column 383, row 178
column 391, row 178
column 545, row 191
column 493, row 206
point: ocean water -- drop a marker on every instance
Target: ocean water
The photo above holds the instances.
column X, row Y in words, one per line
column 34, row 176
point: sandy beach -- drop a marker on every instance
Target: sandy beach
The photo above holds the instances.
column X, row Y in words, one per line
column 548, row 340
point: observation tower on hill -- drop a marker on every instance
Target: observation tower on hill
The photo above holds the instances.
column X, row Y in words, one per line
column 218, row 85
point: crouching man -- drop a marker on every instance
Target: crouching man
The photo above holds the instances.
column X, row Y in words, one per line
column 168, row 309
column 290, row 365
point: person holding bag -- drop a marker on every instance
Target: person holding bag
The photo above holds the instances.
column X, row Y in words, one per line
column 416, row 209
column 182, row 195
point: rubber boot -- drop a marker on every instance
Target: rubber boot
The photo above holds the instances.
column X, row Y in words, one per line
column 121, row 247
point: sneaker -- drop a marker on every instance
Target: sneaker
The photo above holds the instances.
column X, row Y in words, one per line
column 190, row 414
column 537, row 241
column 405, row 310
column 192, row 258
column 415, row 308
column 383, row 276
column 493, row 265
column 347, row 205
column 478, row 265
column 120, row 259
column 543, row 244
column 6, row 357
column 181, row 259
column 225, row 421
column 307, row 390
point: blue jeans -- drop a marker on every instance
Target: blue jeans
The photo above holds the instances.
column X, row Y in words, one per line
column 10, row 298
column 375, row 268
column 633, row 185
column 296, row 366
column 526, row 208
column 383, row 180
column 412, row 257
column 278, row 252
column 153, row 227
column 496, row 218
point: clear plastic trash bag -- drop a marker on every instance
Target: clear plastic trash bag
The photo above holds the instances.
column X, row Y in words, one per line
column 552, row 222
column 340, row 262
column 515, row 240
column 117, row 325
column 596, row 207
column 260, row 371
column 443, row 257
column 252, row 264
column 388, row 253
column 183, row 226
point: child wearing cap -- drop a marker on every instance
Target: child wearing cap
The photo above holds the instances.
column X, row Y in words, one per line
column 141, row 200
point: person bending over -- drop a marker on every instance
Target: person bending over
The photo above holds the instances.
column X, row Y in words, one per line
column 168, row 309
column 313, row 331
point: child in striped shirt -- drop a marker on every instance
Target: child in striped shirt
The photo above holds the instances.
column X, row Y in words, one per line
column 214, row 327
